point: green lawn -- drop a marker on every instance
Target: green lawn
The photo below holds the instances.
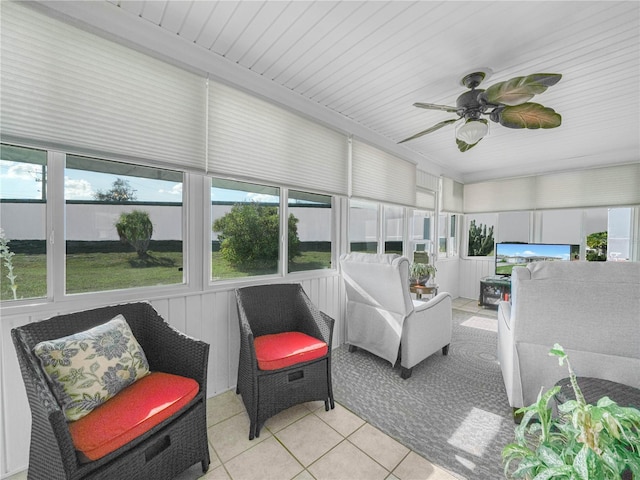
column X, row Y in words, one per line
column 91, row 272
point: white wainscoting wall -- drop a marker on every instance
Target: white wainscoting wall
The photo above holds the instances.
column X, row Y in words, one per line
column 471, row 270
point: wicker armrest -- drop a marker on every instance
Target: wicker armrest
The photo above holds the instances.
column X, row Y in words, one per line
column 171, row 351
column 328, row 327
column 47, row 417
column 320, row 324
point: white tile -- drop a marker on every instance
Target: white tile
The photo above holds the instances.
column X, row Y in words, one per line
column 265, row 461
column 345, row 461
column 414, row 467
column 378, row 445
column 340, row 419
column 223, row 406
column 286, row 418
column 231, row 437
column 309, row 438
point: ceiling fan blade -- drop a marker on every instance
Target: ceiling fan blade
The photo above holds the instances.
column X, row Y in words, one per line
column 528, row 115
column 433, row 106
column 437, row 126
column 464, row 146
column 519, row 90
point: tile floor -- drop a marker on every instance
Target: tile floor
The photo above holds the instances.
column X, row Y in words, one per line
column 306, row 443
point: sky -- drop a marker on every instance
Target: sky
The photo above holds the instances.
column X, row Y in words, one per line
column 20, row 180
column 533, row 250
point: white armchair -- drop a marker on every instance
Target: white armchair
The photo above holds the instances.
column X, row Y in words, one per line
column 381, row 315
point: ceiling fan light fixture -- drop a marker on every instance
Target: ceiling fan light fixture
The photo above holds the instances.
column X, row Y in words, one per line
column 472, row 131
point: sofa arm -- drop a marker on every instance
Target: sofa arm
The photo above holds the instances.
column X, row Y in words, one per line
column 504, row 314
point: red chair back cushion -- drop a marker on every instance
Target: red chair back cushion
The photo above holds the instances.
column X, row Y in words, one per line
column 133, row 411
column 281, row 350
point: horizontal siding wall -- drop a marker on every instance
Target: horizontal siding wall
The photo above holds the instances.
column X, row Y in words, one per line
column 471, row 271
column 209, row 316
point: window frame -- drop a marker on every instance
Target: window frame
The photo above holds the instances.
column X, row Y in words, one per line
column 282, row 270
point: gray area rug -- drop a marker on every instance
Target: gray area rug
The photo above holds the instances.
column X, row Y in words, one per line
column 453, row 410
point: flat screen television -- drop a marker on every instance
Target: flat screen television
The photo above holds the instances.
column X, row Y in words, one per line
column 512, row 254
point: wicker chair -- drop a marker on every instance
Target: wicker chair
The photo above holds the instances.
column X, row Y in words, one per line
column 273, row 309
column 167, row 449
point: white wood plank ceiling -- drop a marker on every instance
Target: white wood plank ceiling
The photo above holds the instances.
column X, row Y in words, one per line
column 367, row 62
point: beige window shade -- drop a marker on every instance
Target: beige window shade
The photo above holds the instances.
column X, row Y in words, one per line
column 500, row 195
column 65, row 87
column 451, row 196
column 252, row 138
column 378, row 175
column 427, row 181
column 425, row 199
column 599, row 187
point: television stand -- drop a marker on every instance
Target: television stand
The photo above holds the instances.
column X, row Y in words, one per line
column 494, row 289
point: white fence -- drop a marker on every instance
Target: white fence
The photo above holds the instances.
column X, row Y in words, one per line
column 96, row 222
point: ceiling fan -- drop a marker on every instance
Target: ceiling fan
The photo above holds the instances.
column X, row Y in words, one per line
column 506, row 103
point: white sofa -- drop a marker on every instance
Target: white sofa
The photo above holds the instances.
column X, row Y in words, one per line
column 592, row 309
column 381, row 315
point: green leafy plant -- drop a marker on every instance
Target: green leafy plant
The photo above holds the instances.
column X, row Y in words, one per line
column 419, row 271
column 583, row 442
column 250, row 235
column 136, row 228
column 7, row 257
column 597, row 247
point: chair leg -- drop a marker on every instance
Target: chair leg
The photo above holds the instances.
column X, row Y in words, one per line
column 445, row 349
column 406, row 373
column 205, row 466
column 352, row 348
column 326, row 405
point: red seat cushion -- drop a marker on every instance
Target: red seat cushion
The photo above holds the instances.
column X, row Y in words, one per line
column 133, row 411
column 281, row 350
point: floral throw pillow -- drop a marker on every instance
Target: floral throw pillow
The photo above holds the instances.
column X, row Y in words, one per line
column 88, row 368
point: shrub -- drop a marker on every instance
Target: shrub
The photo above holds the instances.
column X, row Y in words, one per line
column 7, row 256
column 136, row 229
column 249, row 235
column 480, row 240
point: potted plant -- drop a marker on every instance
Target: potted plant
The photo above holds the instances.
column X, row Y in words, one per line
column 419, row 273
column 582, row 442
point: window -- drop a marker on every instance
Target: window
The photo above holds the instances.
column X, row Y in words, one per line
column 310, row 233
column 620, row 234
column 23, row 206
column 363, row 227
column 393, row 229
column 513, row 227
column 447, row 235
column 453, row 235
column 421, row 236
column 123, row 225
column 245, row 222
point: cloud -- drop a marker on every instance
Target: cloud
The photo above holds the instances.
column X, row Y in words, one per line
column 175, row 190
column 77, row 189
column 22, row 171
column 262, row 197
column 528, row 253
